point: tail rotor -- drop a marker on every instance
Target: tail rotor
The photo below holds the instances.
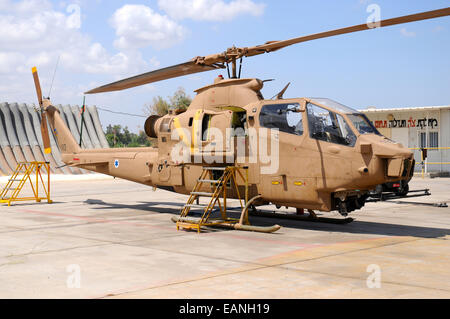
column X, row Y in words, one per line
column 43, row 104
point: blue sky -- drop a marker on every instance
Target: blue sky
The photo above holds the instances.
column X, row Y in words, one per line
column 103, row 41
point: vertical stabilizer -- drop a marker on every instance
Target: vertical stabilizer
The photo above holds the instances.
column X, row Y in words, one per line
column 64, row 137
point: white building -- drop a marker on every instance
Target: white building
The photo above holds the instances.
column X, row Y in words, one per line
column 418, row 127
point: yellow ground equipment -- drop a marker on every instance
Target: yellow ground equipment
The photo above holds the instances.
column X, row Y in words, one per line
column 27, row 172
column 225, row 183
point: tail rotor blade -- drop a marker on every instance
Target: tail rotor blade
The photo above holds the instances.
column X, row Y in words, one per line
column 44, row 127
column 38, row 85
column 45, row 136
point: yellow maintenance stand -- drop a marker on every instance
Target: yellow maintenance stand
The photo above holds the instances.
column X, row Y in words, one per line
column 27, row 172
column 219, row 184
column 219, row 190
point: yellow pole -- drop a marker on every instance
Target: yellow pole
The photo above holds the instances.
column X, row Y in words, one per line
column 246, row 185
column 37, row 179
column 224, row 215
column 421, row 156
column 48, row 178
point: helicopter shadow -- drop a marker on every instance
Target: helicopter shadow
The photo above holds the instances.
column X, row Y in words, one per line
column 361, row 227
column 151, row 207
column 356, row 227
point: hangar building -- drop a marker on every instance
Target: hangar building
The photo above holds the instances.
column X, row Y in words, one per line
column 415, row 128
column 21, row 139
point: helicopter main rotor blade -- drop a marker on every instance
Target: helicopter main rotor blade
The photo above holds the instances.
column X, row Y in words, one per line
column 158, row 75
column 276, row 45
column 218, row 60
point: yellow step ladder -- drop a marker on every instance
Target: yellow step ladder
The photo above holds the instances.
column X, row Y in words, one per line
column 228, row 178
column 19, row 179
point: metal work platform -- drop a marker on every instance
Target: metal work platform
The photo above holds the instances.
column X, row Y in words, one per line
column 219, row 185
column 222, row 181
column 23, row 174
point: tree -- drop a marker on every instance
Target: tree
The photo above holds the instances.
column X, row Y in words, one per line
column 122, row 137
column 179, row 100
column 159, row 106
column 119, row 136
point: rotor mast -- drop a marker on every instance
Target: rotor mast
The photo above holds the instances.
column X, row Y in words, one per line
column 233, row 69
column 232, row 54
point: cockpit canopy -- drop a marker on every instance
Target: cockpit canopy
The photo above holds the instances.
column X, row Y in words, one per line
column 328, row 120
column 358, row 119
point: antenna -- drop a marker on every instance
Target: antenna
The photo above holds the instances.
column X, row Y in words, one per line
column 280, row 95
column 54, row 73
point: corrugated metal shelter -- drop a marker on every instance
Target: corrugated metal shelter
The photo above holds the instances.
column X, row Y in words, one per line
column 21, row 139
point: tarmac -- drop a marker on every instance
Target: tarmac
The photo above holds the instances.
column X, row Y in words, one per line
column 109, row 238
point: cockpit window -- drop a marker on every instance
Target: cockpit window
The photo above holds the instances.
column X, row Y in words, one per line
column 328, row 126
column 284, row 117
column 362, row 124
column 334, row 105
column 359, row 120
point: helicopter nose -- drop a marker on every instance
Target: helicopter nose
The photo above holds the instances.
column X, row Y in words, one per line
column 389, row 149
column 399, row 160
column 400, row 168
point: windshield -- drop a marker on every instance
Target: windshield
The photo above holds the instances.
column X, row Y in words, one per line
column 334, row 105
column 362, row 124
column 359, row 120
column 329, row 126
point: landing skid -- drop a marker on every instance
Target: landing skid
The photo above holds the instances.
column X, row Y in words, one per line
column 220, row 223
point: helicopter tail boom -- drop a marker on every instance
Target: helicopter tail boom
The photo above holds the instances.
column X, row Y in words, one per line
column 64, row 137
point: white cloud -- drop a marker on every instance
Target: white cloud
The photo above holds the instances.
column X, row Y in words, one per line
column 34, row 33
column 406, row 33
column 41, row 30
column 10, row 61
column 24, row 6
column 210, row 10
column 95, row 59
column 138, row 26
column 41, row 34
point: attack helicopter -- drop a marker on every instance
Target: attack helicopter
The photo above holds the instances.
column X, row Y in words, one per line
column 307, row 153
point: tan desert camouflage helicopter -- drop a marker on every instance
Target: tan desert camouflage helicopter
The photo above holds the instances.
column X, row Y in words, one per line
column 323, row 155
